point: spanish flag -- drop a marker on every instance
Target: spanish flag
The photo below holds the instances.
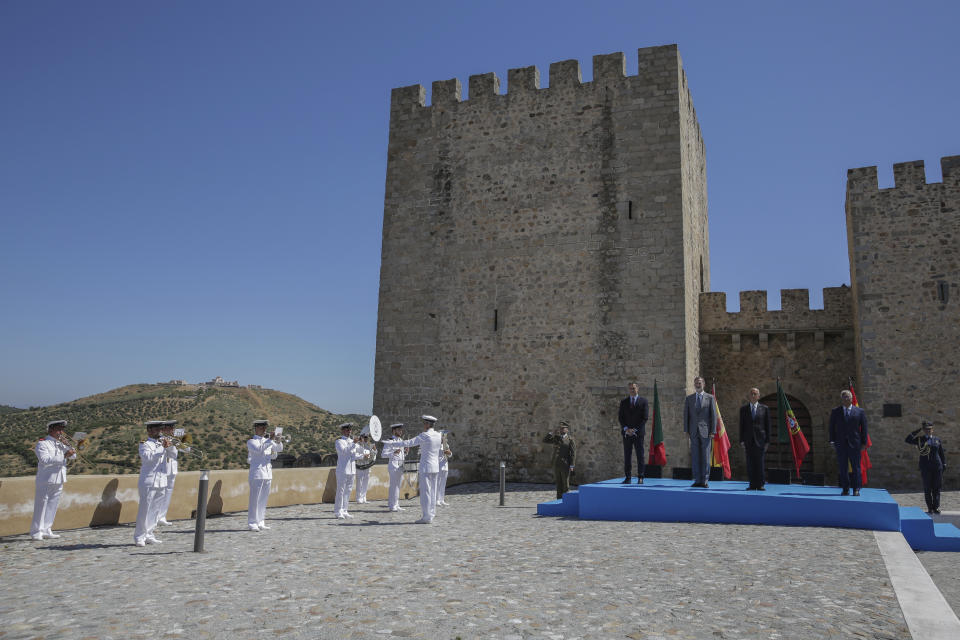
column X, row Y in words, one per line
column 720, row 456
column 658, row 451
column 787, row 423
column 864, row 456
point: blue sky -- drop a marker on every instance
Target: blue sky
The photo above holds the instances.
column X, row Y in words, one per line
column 191, row 189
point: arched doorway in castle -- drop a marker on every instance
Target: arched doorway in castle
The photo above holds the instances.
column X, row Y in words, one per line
column 779, row 455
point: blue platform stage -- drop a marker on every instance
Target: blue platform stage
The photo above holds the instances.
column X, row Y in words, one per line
column 728, row 502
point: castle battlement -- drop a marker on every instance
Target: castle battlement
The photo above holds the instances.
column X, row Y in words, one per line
column 795, row 314
column 906, row 175
column 566, row 74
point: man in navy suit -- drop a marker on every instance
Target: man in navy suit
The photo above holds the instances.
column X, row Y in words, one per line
column 754, row 438
column 848, row 435
column 633, row 428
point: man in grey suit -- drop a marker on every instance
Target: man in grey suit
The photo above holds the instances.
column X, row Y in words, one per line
column 700, row 423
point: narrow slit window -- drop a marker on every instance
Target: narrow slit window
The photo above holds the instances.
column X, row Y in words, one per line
column 496, row 319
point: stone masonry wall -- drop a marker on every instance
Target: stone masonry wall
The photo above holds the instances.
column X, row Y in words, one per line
column 810, row 350
column 904, row 246
column 539, row 251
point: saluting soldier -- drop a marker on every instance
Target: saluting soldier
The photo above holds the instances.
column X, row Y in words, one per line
column 260, row 451
column 933, row 461
column 564, row 452
column 52, row 456
column 396, row 453
column 153, row 481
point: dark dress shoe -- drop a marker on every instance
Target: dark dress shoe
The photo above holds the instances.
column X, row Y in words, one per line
column 626, row 481
column 751, row 488
column 639, row 480
column 845, row 492
column 695, row 484
column 760, row 489
column 936, row 510
column 856, row 492
column 705, row 485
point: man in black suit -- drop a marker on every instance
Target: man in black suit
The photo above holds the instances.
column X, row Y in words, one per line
column 848, row 435
column 633, row 428
column 754, row 437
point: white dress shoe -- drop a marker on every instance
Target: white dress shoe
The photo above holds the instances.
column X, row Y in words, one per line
column 38, row 537
column 140, row 543
column 253, row 527
column 422, row 521
column 153, row 540
column 51, row 535
column 347, row 514
column 163, row 521
column 263, row 526
column 340, row 516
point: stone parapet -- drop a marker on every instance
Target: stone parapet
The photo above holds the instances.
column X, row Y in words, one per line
column 794, row 314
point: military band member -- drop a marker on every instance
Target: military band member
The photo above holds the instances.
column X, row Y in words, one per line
column 260, row 451
column 428, row 471
column 171, row 470
column 153, row 481
column 348, row 452
column 933, row 462
column 52, row 456
column 395, row 453
column 444, row 459
column 564, row 452
column 363, row 475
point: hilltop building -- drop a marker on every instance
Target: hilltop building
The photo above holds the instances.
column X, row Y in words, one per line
column 544, row 246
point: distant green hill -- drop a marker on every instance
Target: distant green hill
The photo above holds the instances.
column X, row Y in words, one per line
column 8, row 409
column 219, row 419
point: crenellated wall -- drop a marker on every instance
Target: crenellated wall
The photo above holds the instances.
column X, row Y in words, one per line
column 810, row 350
column 541, row 248
column 904, row 247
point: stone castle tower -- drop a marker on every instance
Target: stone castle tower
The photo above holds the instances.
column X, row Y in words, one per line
column 541, row 248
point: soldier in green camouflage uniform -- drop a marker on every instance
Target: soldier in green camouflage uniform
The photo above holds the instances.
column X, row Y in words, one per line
column 563, row 454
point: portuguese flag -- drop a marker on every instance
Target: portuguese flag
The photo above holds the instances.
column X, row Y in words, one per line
column 864, row 456
column 720, row 455
column 787, row 426
column 658, row 452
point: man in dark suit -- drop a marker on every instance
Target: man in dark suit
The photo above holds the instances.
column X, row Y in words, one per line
column 700, row 423
column 633, row 429
column 848, row 435
column 754, row 437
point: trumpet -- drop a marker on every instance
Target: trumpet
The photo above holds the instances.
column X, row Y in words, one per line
column 78, row 443
column 279, row 437
column 184, row 442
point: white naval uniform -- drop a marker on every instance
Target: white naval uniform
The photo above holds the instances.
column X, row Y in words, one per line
column 153, row 480
column 348, row 452
column 428, row 470
column 396, row 455
column 260, row 451
column 363, row 481
column 51, row 476
column 442, row 477
column 170, row 468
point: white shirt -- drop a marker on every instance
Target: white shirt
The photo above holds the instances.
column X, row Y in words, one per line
column 429, row 443
column 348, row 452
column 51, row 461
column 153, row 463
column 170, row 465
column 393, row 449
column 260, row 451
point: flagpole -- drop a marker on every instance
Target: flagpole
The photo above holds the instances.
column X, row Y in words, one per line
column 780, row 420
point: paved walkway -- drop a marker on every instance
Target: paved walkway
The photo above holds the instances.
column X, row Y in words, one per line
column 479, row 571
